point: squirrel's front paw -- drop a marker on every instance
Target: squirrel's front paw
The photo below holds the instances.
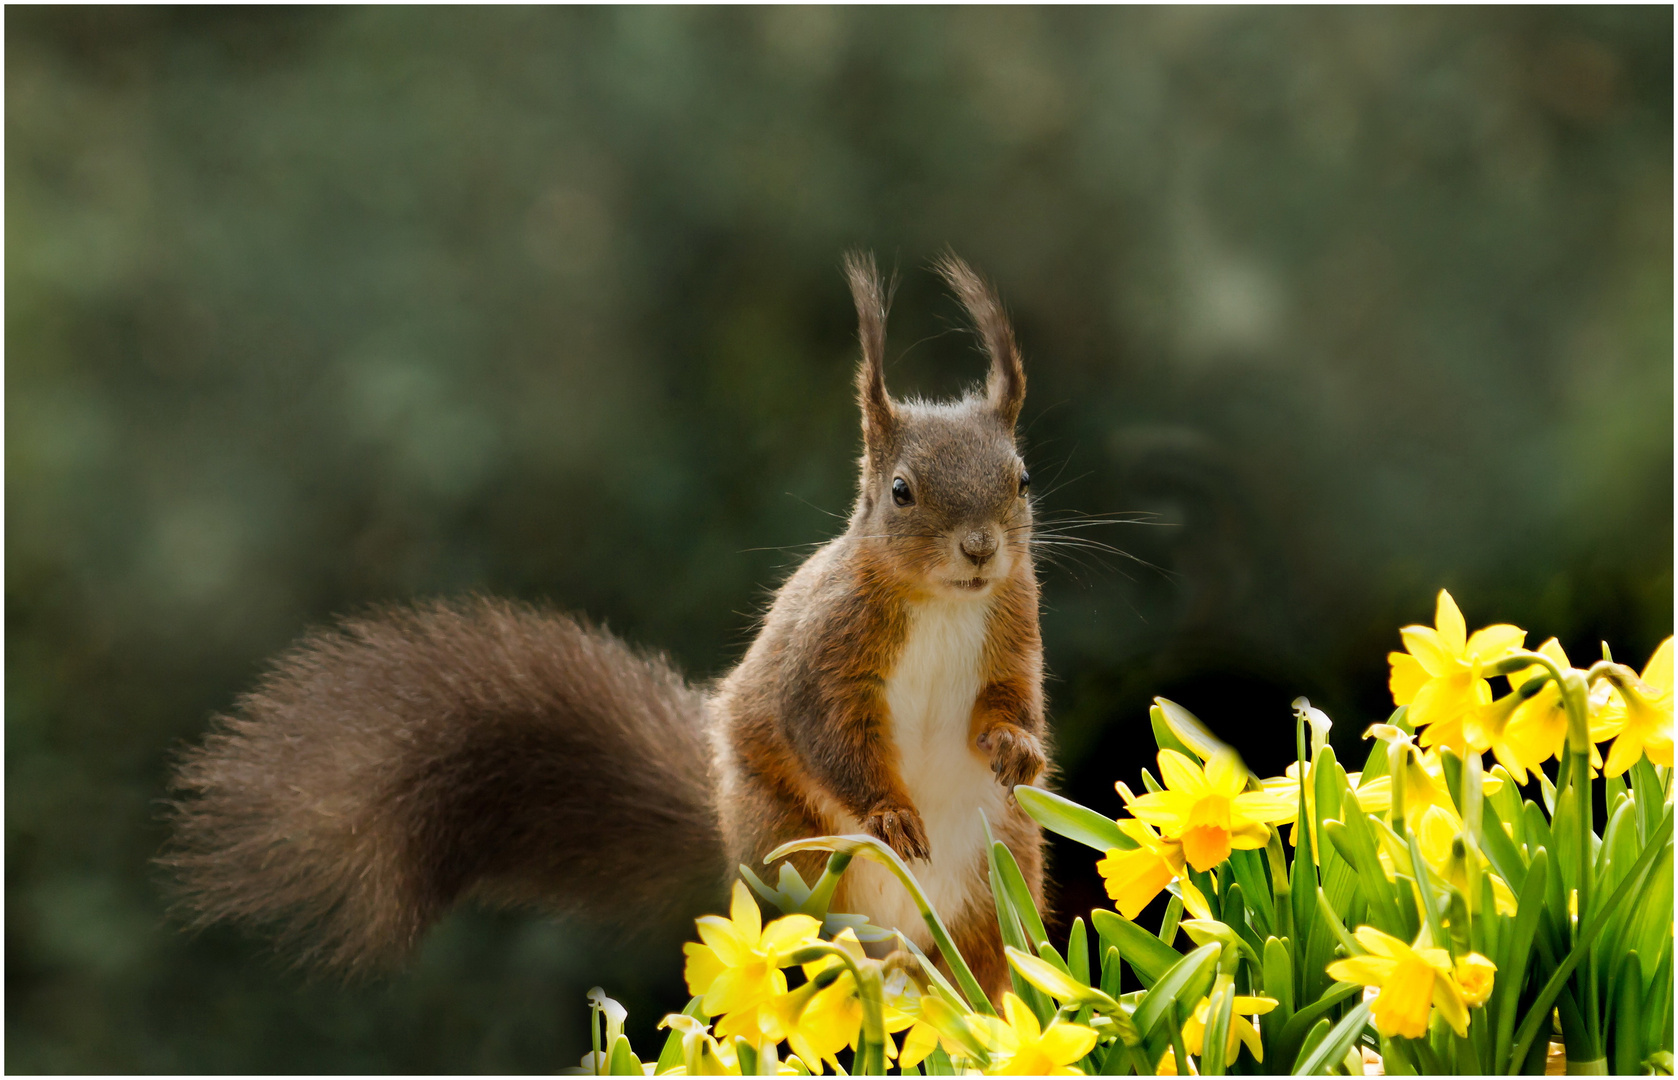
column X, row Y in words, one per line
column 901, row 828
column 1016, row 757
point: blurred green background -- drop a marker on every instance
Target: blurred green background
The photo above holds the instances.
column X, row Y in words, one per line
column 312, row 308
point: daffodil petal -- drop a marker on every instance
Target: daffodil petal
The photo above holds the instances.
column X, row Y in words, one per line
column 1066, row 1043
column 1020, row 1018
column 1225, row 774
column 702, row 968
column 1447, row 998
column 788, row 933
column 743, row 912
column 1368, row 970
column 1380, row 944
column 1453, row 630
column 722, row 936
column 1180, row 774
column 1408, row 676
column 1658, row 671
column 1493, row 643
column 1423, row 643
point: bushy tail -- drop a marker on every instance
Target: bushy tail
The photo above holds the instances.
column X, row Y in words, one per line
column 385, row 768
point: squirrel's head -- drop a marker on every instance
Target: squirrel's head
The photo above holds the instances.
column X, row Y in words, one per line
column 944, row 492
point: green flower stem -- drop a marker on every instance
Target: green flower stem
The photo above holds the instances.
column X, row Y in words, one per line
column 822, row 895
column 870, row 848
column 1280, row 887
column 871, row 1053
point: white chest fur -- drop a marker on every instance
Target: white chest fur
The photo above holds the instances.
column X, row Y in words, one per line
column 930, row 695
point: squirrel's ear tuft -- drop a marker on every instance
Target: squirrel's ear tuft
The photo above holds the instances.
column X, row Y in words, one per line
column 879, row 417
column 1006, row 385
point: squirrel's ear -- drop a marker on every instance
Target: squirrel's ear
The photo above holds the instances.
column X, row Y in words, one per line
column 879, row 417
column 1006, row 385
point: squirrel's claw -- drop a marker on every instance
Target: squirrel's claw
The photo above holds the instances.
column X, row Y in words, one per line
column 902, row 830
column 1016, row 757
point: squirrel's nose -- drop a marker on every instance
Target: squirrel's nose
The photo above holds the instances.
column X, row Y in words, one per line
column 979, row 545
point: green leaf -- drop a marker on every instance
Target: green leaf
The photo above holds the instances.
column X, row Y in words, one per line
column 1175, row 728
column 1355, row 841
column 928, row 966
column 1539, row 1012
column 1173, row 916
column 1332, row 921
column 1212, row 1046
column 623, row 1061
column 1014, row 934
column 1507, row 802
column 745, row 1054
column 1112, row 972
column 1058, row 984
column 1078, row 951
column 1651, row 795
column 870, row 848
column 1319, row 1032
column 1496, row 844
column 1333, row 1047
column 1064, row 817
column 1186, row 983
column 1149, row 957
column 1657, row 1001
column 1278, row 980
column 671, row 1055
column 1019, row 895
column 1289, row 1041
column 1248, row 868
column 1626, row 1035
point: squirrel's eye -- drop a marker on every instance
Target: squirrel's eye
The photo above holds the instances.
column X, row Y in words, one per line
column 1025, row 482
column 900, row 492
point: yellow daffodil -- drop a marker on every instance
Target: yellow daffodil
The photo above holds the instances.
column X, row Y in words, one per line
column 1437, row 831
column 1168, row 1064
column 1639, row 717
column 737, row 968
column 1241, row 1030
column 1413, row 981
column 1207, row 810
column 1475, row 975
column 903, row 1010
column 1376, row 796
column 1536, row 730
column 1422, row 775
column 816, row 1023
column 1133, row 878
column 1438, row 676
column 1024, row 1048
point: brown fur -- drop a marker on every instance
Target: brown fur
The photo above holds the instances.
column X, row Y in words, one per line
column 384, row 769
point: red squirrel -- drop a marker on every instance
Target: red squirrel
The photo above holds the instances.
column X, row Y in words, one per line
column 385, row 768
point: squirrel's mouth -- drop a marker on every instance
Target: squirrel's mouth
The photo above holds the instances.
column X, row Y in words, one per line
column 969, row 584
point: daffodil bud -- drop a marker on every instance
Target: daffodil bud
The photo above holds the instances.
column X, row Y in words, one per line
column 1474, row 974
